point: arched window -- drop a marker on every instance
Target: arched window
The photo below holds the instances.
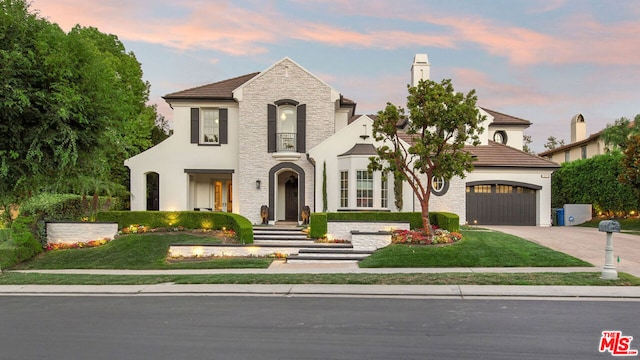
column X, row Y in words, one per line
column 286, row 128
column 500, row 137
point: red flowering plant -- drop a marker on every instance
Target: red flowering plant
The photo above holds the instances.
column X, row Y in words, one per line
column 76, row 245
column 421, row 237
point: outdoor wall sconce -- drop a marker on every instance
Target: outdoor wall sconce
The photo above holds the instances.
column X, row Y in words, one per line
column 258, row 182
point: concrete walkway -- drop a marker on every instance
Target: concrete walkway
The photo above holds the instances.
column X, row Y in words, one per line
column 584, row 243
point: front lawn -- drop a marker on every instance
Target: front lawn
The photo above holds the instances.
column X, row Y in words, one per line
column 139, row 252
column 478, row 248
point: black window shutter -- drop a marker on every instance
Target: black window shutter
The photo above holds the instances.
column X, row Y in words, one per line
column 195, row 125
column 224, row 126
column 271, row 128
column 301, row 126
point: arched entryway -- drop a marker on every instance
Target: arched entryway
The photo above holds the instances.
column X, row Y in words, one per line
column 286, row 192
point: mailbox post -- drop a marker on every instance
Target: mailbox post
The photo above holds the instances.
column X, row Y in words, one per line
column 609, row 270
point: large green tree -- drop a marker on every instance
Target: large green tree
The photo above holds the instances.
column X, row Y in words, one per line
column 593, row 181
column 73, row 106
column 630, row 173
column 440, row 123
column 616, row 135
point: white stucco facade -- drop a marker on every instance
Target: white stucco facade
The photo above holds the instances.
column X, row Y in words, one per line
column 274, row 132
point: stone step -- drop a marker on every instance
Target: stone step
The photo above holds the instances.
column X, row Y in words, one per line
column 267, row 228
column 293, row 259
column 276, row 236
column 334, row 251
column 287, row 243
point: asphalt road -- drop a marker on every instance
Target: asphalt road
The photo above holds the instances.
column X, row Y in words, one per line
column 211, row 327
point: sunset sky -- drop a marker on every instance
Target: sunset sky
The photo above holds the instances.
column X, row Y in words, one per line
column 540, row 60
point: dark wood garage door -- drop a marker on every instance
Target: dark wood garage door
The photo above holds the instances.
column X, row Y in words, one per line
column 501, row 204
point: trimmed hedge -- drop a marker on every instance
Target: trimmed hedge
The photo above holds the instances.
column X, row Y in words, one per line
column 23, row 235
column 187, row 219
column 318, row 225
column 444, row 220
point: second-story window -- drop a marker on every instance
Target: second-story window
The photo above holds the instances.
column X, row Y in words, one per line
column 210, row 133
column 286, row 128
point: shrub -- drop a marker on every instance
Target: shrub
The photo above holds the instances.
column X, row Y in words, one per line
column 23, row 235
column 447, row 221
column 318, row 225
column 186, row 219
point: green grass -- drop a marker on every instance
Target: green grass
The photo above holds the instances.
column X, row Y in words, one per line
column 5, row 235
column 139, row 252
column 551, row 279
column 476, row 249
column 626, row 225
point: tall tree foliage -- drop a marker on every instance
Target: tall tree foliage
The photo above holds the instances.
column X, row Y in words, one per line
column 616, row 135
column 553, row 142
column 630, row 173
column 441, row 122
column 73, row 105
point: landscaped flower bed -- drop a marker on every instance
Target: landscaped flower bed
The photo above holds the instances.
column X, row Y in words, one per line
column 76, row 245
column 422, row 237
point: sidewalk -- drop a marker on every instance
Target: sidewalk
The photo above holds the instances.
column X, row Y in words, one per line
column 279, row 267
column 584, row 243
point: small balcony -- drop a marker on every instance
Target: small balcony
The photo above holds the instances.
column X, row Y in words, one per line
column 286, row 147
column 286, row 142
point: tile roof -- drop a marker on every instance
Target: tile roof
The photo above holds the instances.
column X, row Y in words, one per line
column 498, row 155
column 504, row 119
column 221, row 90
column 559, row 149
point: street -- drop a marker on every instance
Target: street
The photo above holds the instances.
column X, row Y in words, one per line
column 213, row 327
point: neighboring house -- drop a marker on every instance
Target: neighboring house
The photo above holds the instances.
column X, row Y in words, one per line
column 580, row 147
column 264, row 139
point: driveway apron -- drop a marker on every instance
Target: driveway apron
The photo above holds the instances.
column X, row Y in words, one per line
column 584, row 243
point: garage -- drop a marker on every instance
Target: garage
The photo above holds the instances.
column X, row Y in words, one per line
column 501, row 203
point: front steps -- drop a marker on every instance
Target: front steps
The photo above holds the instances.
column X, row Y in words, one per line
column 308, row 250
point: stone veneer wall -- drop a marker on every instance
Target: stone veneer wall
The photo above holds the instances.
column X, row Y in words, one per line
column 285, row 80
column 73, row 232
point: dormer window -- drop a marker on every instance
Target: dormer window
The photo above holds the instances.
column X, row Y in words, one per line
column 500, row 137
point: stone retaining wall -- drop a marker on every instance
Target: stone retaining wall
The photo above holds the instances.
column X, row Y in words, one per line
column 342, row 229
column 370, row 241
column 80, row 232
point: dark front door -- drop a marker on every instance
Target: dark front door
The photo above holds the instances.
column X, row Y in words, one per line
column 291, row 199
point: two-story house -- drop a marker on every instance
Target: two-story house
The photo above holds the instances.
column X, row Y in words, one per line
column 271, row 138
column 581, row 145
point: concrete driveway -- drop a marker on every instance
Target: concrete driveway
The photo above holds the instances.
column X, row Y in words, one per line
column 583, row 243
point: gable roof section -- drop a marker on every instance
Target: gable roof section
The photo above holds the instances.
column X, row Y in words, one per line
column 504, row 119
column 498, row 155
column 221, row 90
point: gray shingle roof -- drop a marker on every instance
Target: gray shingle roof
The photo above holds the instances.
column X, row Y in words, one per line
column 221, row 90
